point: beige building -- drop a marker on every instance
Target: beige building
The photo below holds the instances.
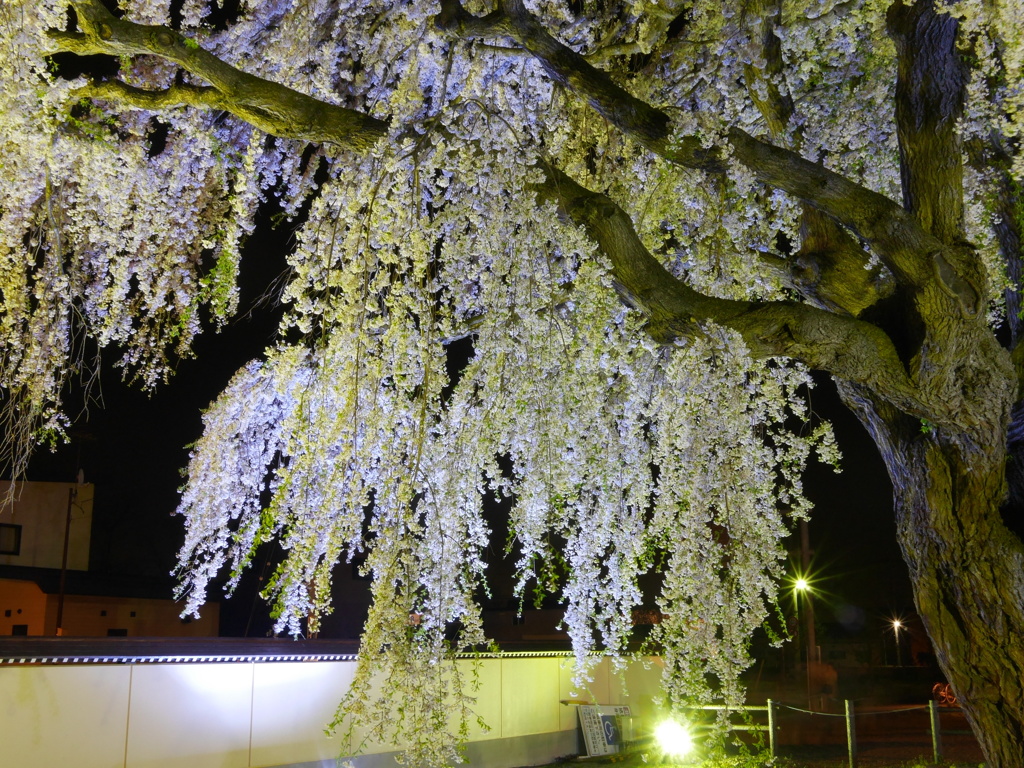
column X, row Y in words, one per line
column 33, row 532
column 32, row 527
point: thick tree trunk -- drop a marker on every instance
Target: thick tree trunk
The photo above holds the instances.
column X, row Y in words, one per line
column 967, row 569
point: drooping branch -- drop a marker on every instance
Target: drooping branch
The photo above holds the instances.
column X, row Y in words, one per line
column 851, row 349
column 269, row 106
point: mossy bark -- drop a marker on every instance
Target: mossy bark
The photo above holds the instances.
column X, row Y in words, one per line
column 966, row 568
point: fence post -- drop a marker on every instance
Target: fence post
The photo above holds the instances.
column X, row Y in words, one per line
column 771, row 729
column 933, row 715
column 851, row 734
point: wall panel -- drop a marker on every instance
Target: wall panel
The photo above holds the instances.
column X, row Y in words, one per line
column 64, row 716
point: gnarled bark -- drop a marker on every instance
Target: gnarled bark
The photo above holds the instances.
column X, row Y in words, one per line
column 966, row 568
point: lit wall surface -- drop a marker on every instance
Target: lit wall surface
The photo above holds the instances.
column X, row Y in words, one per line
column 261, row 714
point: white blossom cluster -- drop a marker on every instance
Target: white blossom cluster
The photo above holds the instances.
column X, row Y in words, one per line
column 104, row 242
column 355, row 435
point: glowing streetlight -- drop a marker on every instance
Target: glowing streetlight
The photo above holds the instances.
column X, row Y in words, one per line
column 897, row 625
column 801, row 585
column 673, row 739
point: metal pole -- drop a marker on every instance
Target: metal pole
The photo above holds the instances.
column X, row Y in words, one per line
column 851, row 734
column 771, row 728
column 64, row 563
column 811, row 641
column 933, row 715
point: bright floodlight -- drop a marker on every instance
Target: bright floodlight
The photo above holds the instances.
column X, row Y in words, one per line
column 802, row 585
column 673, row 738
column 896, row 624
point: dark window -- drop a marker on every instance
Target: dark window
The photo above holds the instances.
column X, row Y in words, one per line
column 103, row 613
column 132, row 614
column 117, row 633
column 7, row 613
column 10, row 539
column 19, row 629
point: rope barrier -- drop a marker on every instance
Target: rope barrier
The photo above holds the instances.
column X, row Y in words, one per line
column 773, row 708
column 896, row 711
column 892, row 711
column 808, row 711
column 851, row 731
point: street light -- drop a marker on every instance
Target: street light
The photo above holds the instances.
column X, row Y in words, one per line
column 897, row 625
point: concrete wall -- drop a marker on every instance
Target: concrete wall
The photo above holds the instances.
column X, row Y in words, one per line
column 41, row 510
column 254, row 715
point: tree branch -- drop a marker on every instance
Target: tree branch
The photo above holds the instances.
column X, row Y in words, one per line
column 269, row 106
column 175, row 96
column 774, row 104
column 916, row 258
column 649, row 126
column 930, row 91
column 892, row 233
column 831, row 268
column 843, row 346
column 848, row 348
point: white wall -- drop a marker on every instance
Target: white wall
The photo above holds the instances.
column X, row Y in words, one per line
column 253, row 715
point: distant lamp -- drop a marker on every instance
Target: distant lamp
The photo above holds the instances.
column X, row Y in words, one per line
column 673, row 739
column 801, row 585
column 897, row 625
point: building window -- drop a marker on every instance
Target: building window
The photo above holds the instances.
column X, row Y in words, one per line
column 117, row 632
column 10, row 539
column 20, row 630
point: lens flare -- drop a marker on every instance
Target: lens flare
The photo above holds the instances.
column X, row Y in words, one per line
column 673, row 739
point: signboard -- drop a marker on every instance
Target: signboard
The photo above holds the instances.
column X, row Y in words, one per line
column 600, row 725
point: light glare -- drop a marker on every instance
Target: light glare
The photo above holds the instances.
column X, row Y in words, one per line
column 673, row 738
column 802, row 585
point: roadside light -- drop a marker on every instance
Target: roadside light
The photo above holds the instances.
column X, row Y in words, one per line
column 673, row 739
column 801, row 585
column 897, row 625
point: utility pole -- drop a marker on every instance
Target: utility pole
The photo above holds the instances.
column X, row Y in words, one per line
column 72, row 493
column 811, row 642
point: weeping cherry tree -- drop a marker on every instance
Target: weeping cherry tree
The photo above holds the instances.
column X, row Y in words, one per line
column 652, row 219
